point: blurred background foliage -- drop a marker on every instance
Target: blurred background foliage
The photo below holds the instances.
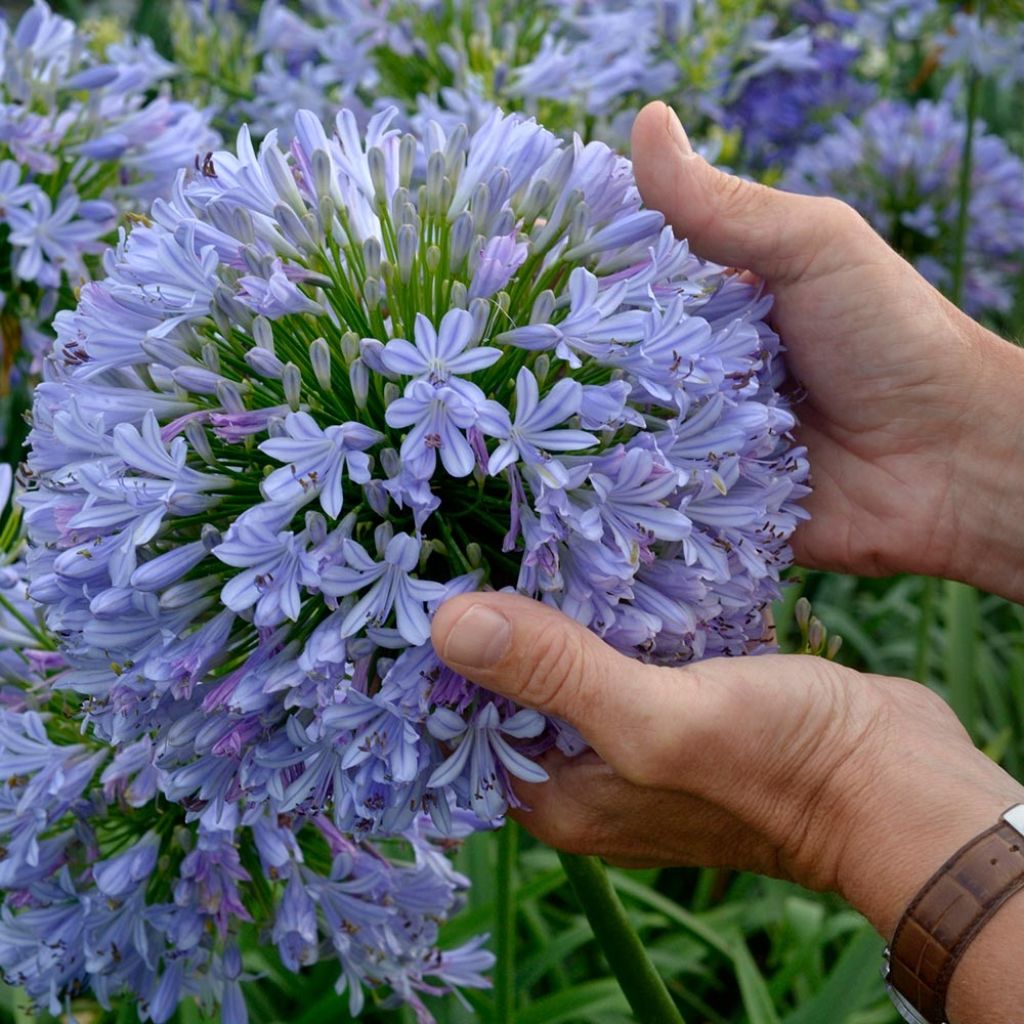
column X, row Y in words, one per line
column 734, row 948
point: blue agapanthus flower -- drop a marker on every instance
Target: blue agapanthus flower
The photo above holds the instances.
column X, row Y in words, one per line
column 900, row 166
column 323, row 390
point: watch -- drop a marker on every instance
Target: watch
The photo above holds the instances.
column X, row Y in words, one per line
column 946, row 915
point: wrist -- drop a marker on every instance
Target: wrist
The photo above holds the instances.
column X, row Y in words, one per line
column 987, row 499
column 920, row 809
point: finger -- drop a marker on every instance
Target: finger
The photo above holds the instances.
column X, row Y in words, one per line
column 727, row 219
column 545, row 660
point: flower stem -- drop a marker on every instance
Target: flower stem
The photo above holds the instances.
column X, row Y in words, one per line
column 505, row 926
column 640, row 982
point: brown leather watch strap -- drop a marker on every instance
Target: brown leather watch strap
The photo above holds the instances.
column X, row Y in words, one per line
column 948, row 912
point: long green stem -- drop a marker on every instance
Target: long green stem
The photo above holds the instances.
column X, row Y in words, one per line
column 641, row 984
column 505, row 926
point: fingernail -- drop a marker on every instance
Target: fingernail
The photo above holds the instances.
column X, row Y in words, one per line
column 678, row 133
column 479, row 638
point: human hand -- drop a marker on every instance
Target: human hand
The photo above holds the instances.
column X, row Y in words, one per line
column 911, row 419
column 786, row 765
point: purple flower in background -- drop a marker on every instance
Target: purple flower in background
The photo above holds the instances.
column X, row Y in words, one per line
column 899, row 165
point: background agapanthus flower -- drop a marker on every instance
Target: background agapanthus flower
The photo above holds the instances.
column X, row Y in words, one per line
column 322, row 390
column 87, row 132
column 900, row 166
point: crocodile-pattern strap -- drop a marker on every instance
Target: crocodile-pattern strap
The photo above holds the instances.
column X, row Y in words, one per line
column 948, row 912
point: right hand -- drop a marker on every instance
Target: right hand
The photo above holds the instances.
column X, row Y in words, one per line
column 911, row 420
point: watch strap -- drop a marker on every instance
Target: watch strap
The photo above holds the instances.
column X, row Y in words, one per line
column 951, row 909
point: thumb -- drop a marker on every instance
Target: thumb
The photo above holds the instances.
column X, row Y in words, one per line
column 727, row 219
column 542, row 659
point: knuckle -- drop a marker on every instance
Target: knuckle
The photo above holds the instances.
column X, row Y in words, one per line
column 553, row 668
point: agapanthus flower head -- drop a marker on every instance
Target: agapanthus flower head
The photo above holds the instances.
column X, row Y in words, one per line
column 323, row 390
column 900, row 165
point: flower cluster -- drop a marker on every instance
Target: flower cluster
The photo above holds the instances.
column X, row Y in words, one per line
column 900, row 165
column 80, row 143
column 323, row 390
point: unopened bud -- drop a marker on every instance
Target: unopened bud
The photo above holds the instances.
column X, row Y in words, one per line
column 541, row 367
column 199, row 442
column 816, row 636
column 382, row 537
column 543, row 307
column 323, row 172
column 802, row 613
column 211, row 357
column 459, row 295
column 372, row 257
column 372, row 291
column 460, row 239
column 229, row 396
column 316, row 527
column 378, row 172
column 433, row 258
column 406, row 159
column 359, row 380
column 408, row 243
column 291, row 380
column 350, row 346
column 263, row 333
column 210, row 536
column 834, row 643
column 474, row 555
column 480, row 311
column 320, row 359
column 265, row 363
column 391, row 393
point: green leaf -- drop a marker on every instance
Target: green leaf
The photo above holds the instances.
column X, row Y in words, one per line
column 852, row 984
column 575, row 1004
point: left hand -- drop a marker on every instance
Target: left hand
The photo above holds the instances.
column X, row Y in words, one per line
column 785, row 765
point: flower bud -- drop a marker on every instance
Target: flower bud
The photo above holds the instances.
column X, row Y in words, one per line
column 480, row 311
column 433, row 258
column 210, row 536
column 199, row 442
column 291, row 381
column 578, row 224
column 359, row 380
column 474, row 555
column 211, row 357
column 406, row 159
column 382, row 535
column 408, row 243
column 816, row 635
column 460, row 239
column 263, row 333
column 230, row 397
column 378, row 173
column 294, row 228
column 350, row 346
column 390, row 462
column 435, row 181
column 537, row 198
column 316, row 526
column 834, row 643
column 323, row 173
column 372, row 291
column 376, row 497
column 802, row 613
column 543, row 307
column 372, row 257
column 391, row 393
column 542, row 367
column 459, row 295
column 265, row 363
column 320, row 358
column 455, row 149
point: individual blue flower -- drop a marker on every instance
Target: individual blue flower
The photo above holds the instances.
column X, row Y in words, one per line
column 318, row 460
column 391, row 587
